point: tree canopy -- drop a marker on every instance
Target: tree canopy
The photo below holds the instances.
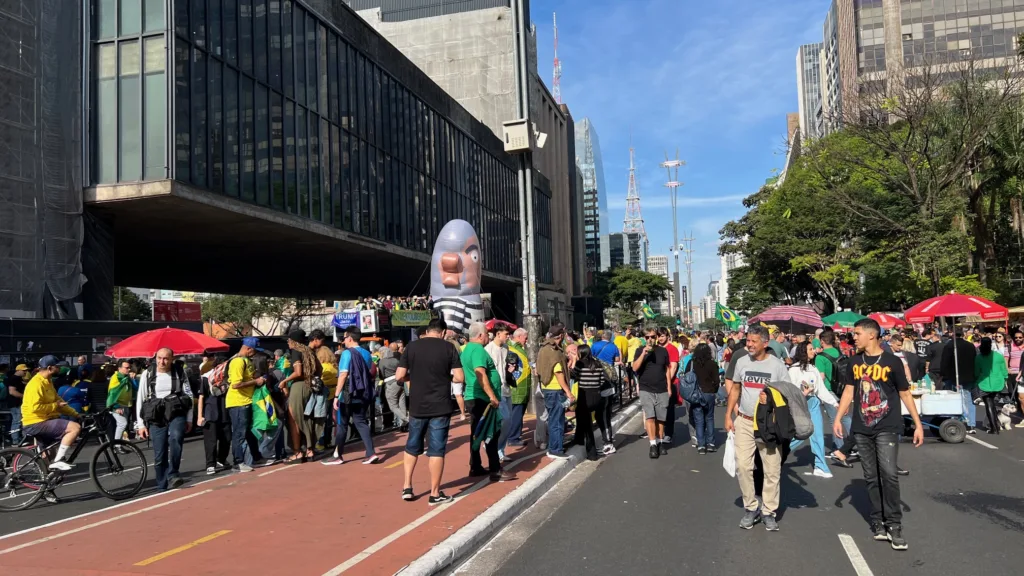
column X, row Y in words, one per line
column 128, row 306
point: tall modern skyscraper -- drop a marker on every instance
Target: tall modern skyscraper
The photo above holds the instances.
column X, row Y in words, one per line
column 808, row 87
column 595, row 194
column 865, row 41
column 659, row 265
column 623, row 249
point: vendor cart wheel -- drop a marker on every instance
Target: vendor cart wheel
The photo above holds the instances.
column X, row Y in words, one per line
column 953, row 431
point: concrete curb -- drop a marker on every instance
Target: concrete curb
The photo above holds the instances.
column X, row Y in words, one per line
column 473, row 535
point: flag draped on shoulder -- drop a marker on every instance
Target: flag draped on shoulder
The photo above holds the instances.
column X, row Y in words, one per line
column 727, row 316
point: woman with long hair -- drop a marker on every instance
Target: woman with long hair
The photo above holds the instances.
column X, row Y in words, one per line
column 702, row 415
column 990, row 373
column 589, row 373
column 805, row 374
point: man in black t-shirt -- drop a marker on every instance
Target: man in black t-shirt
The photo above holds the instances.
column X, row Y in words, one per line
column 430, row 364
column 651, row 365
column 879, row 384
column 922, row 343
column 933, row 358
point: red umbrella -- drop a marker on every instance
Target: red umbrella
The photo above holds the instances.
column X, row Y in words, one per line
column 179, row 341
column 495, row 322
column 780, row 314
column 887, row 321
column 954, row 304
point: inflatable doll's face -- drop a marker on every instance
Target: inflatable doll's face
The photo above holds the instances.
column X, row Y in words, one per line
column 456, row 261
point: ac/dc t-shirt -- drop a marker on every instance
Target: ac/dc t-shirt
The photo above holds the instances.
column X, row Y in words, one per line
column 878, row 381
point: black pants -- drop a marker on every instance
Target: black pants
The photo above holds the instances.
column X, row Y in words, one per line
column 217, row 442
column 992, row 410
column 588, row 405
column 878, row 458
column 476, row 410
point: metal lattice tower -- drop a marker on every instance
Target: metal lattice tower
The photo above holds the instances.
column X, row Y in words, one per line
column 556, row 85
column 634, row 221
column 688, row 250
column 673, row 185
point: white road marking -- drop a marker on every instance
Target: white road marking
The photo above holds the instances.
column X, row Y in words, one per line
column 982, row 442
column 100, row 523
column 275, row 470
column 860, row 566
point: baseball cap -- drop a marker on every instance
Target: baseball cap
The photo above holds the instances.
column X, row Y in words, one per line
column 251, row 342
column 298, row 335
column 21, row 368
column 49, row 361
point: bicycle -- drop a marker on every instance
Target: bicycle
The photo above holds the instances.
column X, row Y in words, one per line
column 25, row 475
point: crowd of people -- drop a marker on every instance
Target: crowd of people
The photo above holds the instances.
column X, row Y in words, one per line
column 396, row 303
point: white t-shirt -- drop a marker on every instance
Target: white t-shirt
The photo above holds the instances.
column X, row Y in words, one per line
column 814, row 378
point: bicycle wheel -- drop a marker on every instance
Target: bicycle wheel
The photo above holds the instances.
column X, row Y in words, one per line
column 21, row 475
column 119, row 469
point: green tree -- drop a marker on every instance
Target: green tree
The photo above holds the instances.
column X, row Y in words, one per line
column 619, row 318
column 128, row 306
column 249, row 314
column 629, row 288
column 713, row 324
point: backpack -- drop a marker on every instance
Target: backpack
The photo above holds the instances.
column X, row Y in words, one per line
column 689, row 388
column 160, row 411
column 773, row 423
column 218, row 378
column 840, row 367
column 803, row 426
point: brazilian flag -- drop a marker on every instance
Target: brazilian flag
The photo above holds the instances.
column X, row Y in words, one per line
column 727, row 316
column 647, row 312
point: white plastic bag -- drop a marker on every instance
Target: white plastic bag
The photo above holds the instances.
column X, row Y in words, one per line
column 729, row 456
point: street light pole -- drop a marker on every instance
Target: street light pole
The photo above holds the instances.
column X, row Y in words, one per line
column 673, row 185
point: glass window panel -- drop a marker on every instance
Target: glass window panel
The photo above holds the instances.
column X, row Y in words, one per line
column 288, row 56
column 231, row 147
column 314, row 165
column 325, row 172
column 360, row 86
column 154, row 14
column 379, row 205
column 181, row 16
column 198, row 22
column 275, row 44
column 377, row 107
column 357, row 184
column 311, row 61
column 199, row 118
column 105, row 131
column 299, row 30
column 104, row 18
column 332, row 76
column 262, row 146
column 245, row 52
column 371, row 135
column 215, row 115
column 182, row 148
column 248, row 140
column 369, row 191
column 322, row 69
column 385, row 110
column 276, row 151
column 346, row 182
column 289, row 157
column 155, row 105
column 231, row 31
column 301, row 161
column 131, row 16
column 259, row 9
column 336, row 217
column 214, row 28
column 343, row 85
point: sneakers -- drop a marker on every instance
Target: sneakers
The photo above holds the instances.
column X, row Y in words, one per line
column 477, row 472
column 770, row 524
column 902, row 472
column 712, row 449
column 663, row 446
column 372, row 459
column 608, row 449
column 878, row 532
column 332, row 461
column 643, row 435
column 668, row 439
column 895, row 536
column 556, row 456
column 702, row 450
column 501, row 456
column 210, row 470
column 407, row 495
column 821, row 473
column 750, row 517
column 51, row 498
column 176, row 482
column 503, row 477
column 693, row 442
column 243, row 467
column 60, row 465
column 970, row 430
column 441, row 498
column 655, row 452
column 1019, row 424
column 840, row 462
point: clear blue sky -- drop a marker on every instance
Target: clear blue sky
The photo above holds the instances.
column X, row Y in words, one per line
column 713, row 79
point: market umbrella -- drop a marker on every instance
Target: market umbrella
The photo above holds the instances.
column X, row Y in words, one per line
column 495, row 322
column 954, row 305
column 793, row 314
column 845, row 319
column 887, row 321
column 180, row 341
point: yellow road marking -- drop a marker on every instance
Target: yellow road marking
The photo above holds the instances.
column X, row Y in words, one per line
column 395, row 465
column 188, row 546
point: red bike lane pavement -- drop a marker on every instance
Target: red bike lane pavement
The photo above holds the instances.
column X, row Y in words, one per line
column 303, row 519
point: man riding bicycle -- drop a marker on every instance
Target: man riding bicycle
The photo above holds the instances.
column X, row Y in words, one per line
column 42, row 409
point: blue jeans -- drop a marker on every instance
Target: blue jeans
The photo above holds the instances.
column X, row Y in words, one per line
column 505, row 407
column 167, row 444
column 357, row 413
column 817, row 438
column 847, row 422
column 244, row 447
column 430, row 431
column 556, row 419
column 970, row 412
column 16, row 425
column 703, row 419
column 512, row 428
column 272, row 442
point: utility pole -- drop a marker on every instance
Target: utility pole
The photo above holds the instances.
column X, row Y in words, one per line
column 688, row 243
column 673, row 185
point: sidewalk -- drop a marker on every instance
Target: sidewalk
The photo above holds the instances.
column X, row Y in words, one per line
column 306, row 519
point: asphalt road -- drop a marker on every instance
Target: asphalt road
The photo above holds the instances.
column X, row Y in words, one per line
column 628, row 514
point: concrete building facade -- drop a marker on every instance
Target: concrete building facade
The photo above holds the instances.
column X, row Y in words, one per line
column 623, row 249
column 658, row 264
column 728, row 263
